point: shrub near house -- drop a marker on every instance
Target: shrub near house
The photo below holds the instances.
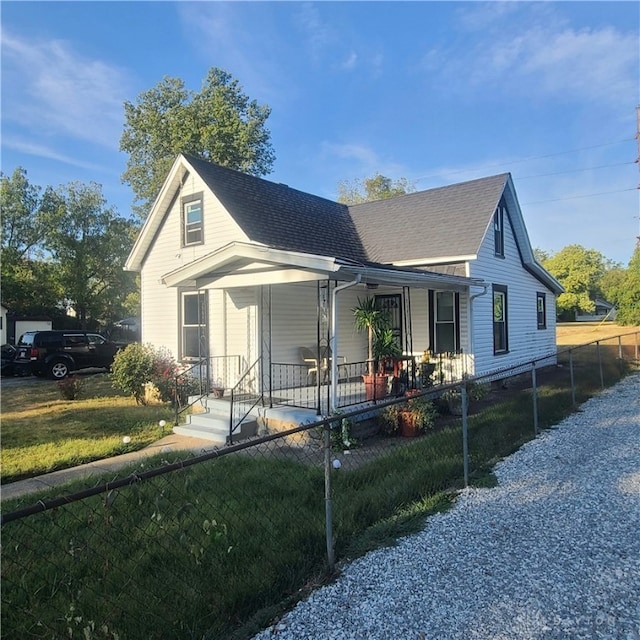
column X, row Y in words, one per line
column 140, row 364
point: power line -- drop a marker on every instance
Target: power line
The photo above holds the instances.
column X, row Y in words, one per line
column 557, row 173
column 526, row 159
column 586, row 195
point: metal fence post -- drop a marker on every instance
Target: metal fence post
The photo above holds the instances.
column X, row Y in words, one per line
column 573, row 385
column 328, row 506
column 620, row 356
column 465, row 435
column 600, row 364
column 534, row 385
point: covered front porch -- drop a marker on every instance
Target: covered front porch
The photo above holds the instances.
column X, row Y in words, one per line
column 281, row 330
column 298, row 396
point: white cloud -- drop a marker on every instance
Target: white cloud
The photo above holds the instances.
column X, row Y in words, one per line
column 319, row 35
column 43, row 151
column 350, row 63
column 51, row 90
column 536, row 53
column 353, row 160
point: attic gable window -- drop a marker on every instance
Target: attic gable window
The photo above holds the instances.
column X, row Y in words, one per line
column 541, row 310
column 192, row 229
column 498, row 230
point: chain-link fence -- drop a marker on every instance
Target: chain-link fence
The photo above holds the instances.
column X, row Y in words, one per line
column 214, row 545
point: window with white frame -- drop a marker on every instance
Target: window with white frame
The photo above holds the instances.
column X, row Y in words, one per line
column 498, row 230
column 541, row 310
column 444, row 321
column 193, row 325
column 500, row 324
column 192, row 220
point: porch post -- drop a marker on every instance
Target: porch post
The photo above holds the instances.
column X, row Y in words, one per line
column 333, row 341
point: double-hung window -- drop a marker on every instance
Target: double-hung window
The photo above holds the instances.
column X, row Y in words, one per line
column 192, row 230
column 500, row 325
column 541, row 310
column 193, row 325
column 444, row 321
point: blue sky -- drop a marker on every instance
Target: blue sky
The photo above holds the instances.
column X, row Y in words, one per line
column 435, row 92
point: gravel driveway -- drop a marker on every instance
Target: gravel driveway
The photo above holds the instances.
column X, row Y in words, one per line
column 552, row 552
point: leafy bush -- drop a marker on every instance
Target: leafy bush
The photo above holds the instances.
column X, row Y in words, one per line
column 140, row 364
column 132, row 368
column 420, row 411
column 70, row 387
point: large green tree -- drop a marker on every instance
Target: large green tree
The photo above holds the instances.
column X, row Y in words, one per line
column 378, row 187
column 219, row 123
column 612, row 284
column 628, row 296
column 90, row 242
column 24, row 221
column 579, row 271
column 30, row 283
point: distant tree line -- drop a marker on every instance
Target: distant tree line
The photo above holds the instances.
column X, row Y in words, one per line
column 587, row 275
column 64, row 248
column 62, row 253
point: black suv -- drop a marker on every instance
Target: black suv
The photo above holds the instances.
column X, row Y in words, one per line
column 58, row 353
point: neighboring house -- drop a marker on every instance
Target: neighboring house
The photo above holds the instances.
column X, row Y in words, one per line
column 239, row 269
column 17, row 325
column 603, row 311
column 3, row 324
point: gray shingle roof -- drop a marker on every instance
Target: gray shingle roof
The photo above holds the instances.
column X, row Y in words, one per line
column 442, row 222
column 281, row 217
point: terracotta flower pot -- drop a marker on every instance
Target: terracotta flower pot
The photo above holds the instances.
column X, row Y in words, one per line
column 407, row 425
column 375, row 386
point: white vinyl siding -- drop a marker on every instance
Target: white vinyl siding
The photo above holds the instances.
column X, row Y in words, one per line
column 525, row 340
column 241, row 319
column 293, row 320
column 160, row 309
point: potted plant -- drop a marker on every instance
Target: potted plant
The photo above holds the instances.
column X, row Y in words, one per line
column 410, row 418
column 427, row 367
column 368, row 317
column 453, row 396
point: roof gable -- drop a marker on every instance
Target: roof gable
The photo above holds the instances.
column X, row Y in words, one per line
column 447, row 221
column 445, row 224
column 281, row 217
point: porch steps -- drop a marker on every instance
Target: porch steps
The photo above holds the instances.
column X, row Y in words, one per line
column 213, row 423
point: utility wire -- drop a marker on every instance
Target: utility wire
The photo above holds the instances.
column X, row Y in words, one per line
column 586, row 195
column 557, row 173
column 526, row 159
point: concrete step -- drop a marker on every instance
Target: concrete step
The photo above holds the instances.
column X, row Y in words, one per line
column 209, row 426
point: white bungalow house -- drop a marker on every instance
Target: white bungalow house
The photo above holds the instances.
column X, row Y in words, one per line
column 245, row 274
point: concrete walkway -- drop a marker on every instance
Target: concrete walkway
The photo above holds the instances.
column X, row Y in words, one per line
column 173, row 442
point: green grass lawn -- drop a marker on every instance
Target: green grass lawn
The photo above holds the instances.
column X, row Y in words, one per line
column 42, row 432
column 219, row 549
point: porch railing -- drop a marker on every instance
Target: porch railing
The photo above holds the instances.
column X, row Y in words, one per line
column 196, row 380
column 245, row 395
column 295, row 385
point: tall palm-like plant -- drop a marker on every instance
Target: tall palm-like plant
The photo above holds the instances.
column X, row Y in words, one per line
column 368, row 317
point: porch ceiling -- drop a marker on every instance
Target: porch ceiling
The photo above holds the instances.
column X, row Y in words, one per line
column 242, row 264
